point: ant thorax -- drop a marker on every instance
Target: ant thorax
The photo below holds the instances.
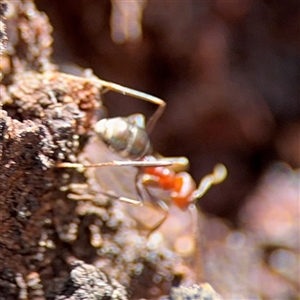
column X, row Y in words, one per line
column 125, row 136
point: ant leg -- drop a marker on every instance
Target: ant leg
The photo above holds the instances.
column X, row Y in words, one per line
column 139, row 95
column 116, row 163
column 178, row 164
column 165, row 209
column 154, row 201
column 123, row 199
column 127, row 92
column 197, row 256
column 218, row 175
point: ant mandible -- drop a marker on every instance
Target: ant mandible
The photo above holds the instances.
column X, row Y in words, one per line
column 129, row 138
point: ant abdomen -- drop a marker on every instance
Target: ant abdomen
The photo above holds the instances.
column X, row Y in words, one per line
column 124, row 136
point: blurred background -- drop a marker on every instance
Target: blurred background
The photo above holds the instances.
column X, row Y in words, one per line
column 230, row 73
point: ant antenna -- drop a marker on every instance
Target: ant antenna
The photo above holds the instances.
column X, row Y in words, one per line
column 217, row 176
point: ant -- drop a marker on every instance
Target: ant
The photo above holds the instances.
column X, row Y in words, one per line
column 129, row 138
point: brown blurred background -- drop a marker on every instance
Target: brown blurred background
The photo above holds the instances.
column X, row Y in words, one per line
column 228, row 70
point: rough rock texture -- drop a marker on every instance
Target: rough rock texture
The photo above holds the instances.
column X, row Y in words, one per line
column 200, row 292
column 87, row 282
column 52, row 216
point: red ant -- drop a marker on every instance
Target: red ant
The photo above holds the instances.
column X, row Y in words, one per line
column 129, row 138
